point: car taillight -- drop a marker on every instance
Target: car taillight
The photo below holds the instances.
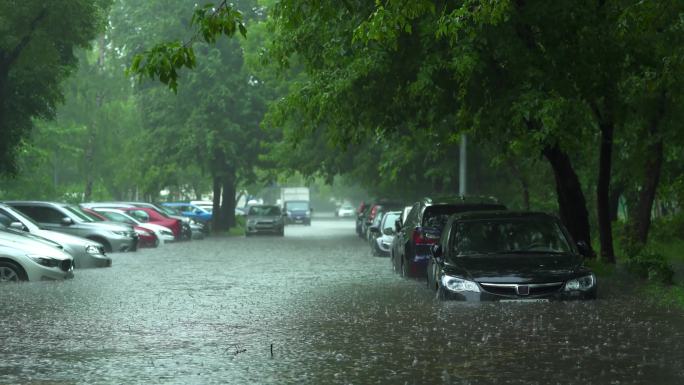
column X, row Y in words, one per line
column 422, row 237
column 374, row 211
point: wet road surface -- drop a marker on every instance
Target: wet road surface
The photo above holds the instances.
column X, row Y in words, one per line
column 314, row 307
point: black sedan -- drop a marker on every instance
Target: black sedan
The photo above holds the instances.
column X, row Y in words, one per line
column 508, row 256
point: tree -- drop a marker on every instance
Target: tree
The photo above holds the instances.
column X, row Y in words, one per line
column 36, row 55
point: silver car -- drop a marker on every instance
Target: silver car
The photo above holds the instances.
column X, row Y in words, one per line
column 27, row 258
column 265, row 219
column 381, row 245
column 86, row 253
column 72, row 220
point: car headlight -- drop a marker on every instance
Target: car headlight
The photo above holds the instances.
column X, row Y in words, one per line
column 583, row 283
column 459, row 284
column 143, row 232
column 93, row 250
column 45, row 261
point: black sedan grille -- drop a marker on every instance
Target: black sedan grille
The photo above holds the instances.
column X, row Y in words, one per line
column 516, row 290
column 66, row 264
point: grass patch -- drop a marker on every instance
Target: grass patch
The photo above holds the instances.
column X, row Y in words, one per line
column 666, row 295
column 673, row 250
column 599, row 268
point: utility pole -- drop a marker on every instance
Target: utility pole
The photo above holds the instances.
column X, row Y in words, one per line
column 462, row 163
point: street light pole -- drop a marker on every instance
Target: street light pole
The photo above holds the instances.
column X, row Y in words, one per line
column 462, row 163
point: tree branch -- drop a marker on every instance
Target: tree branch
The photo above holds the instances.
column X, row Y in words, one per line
column 16, row 51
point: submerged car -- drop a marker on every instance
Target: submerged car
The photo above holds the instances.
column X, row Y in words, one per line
column 86, row 253
column 382, row 243
column 28, row 258
column 70, row 219
column 422, row 229
column 509, row 256
column 297, row 212
column 345, row 211
column 265, row 219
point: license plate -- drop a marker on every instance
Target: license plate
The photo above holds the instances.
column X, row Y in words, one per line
column 528, row 300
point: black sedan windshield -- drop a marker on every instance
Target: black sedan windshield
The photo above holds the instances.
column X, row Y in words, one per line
column 508, row 236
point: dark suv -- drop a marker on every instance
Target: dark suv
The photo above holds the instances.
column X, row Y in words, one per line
column 423, row 227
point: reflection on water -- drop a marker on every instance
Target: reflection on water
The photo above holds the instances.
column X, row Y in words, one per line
column 313, row 307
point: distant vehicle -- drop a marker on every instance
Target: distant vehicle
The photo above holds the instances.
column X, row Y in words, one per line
column 190, row 229
column 23, row 258
column 151, row 235
column 70, row 219
column 344, row 211
column 296, row 202
column 149, row 215
column 298, row 212
column 86, row 253
column 382, row 243
column 206, row 205
column 190, row 210
column 508, row 256
column 423, row 227
column 374, row 210
column 265, row 219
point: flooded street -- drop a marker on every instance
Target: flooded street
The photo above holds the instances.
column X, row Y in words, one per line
column 314, row 307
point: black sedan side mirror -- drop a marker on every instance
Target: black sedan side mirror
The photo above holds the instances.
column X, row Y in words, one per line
column 66, row 221
column 437, row 252
column 584, row 249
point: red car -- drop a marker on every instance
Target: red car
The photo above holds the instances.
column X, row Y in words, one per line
column 146, row 238
column 147, row 215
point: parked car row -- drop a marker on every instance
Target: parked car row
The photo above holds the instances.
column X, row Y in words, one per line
column 476, row 250
column 47, row 240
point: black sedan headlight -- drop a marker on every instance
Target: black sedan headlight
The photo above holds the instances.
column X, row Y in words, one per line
column 584, row 283
column 459, row 285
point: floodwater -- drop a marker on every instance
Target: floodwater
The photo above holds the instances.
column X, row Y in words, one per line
column 314, row 307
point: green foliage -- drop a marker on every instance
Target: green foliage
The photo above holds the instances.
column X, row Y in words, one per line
column 650, row 265
column 37, row 41
column 164, row 60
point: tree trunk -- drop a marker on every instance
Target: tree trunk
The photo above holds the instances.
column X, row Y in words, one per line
column 603, row 193
column 642, row 220
column 216, row 210
column 89, row 156
column 615, row 193
column 571, row 203
column 228, row 204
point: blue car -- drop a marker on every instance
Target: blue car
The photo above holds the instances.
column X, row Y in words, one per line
column 189, row 210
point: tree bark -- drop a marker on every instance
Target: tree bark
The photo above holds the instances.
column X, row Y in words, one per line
column 228, row 204
column 653, row 167
column 615, row 194
column 571, row 203
column 216, row 210
column 603, row 192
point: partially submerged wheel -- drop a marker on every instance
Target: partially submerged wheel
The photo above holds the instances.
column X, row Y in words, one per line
column 9, row 272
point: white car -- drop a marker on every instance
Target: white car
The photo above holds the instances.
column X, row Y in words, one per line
column 86, row 253
column 31, row 258
column 164, row 234
column 345, row 211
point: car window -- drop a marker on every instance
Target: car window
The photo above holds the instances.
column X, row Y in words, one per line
column 140, row 215
column 389, row 219
column 117, row 217
column 43, row 214
column 80, row 214
column 503, row 236
column 413, row 215
column 5, row 218
column 297, row 205
column 264, row 210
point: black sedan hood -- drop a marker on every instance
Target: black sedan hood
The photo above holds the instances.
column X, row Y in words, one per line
column 516, row 268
